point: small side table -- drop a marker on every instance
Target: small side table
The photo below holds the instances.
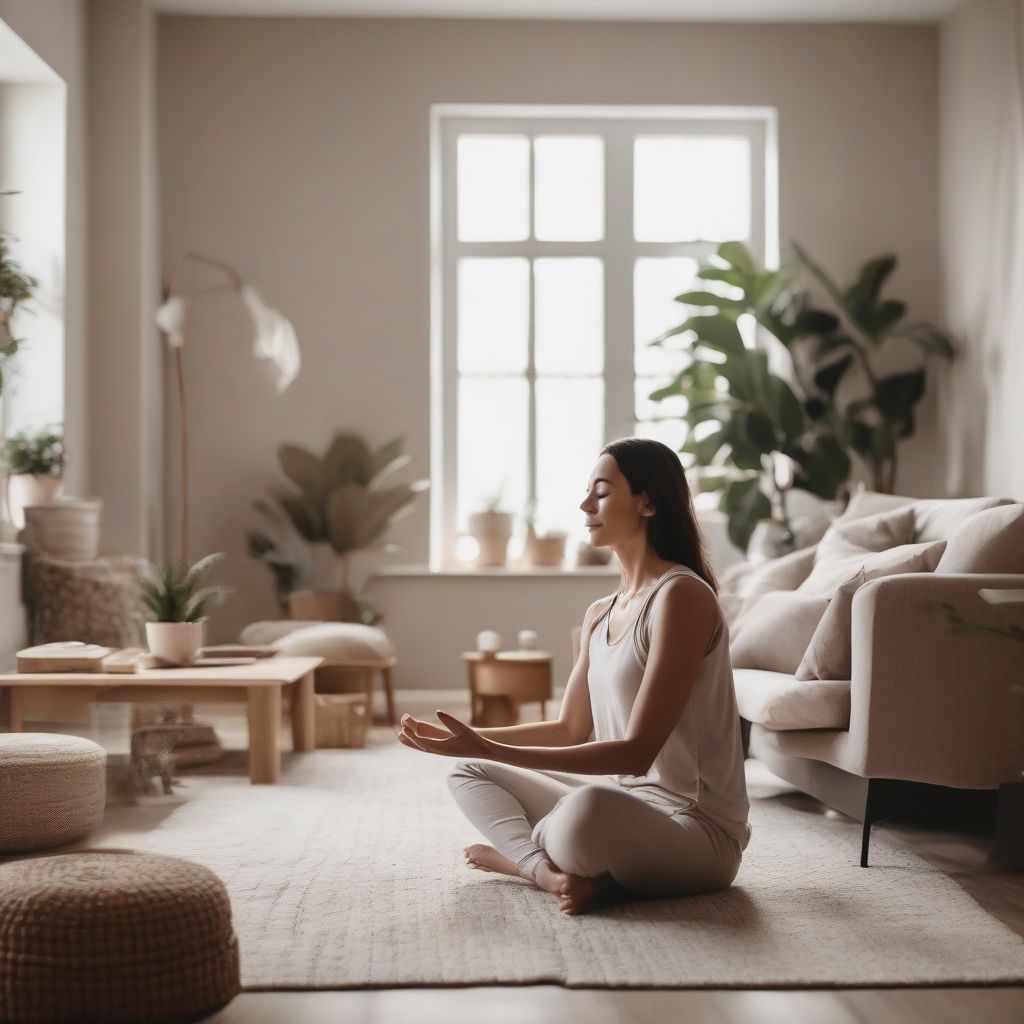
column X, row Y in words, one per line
column 499, row 683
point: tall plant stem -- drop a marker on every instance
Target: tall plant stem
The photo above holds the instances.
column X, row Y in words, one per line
column 183, row 428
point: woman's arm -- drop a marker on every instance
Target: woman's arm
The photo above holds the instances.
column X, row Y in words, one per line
column 683, row 619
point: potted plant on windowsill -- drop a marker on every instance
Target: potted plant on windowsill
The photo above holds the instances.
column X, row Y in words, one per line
column 170, row 591
column 35, row 470
column 491, row 528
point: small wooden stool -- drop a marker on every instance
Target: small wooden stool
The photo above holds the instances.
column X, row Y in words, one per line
column 499, row 683
column 332, row 677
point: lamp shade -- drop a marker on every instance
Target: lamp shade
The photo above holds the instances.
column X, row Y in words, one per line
column 275, row 339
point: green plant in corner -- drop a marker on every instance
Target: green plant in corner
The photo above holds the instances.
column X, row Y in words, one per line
column 742, row 417
column 172, row 592
column 16, row 287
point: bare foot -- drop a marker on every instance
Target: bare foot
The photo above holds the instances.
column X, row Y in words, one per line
column 576, row 894
column 486, row 858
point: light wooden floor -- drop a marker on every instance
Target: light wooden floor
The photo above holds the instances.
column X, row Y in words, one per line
column 957, row 847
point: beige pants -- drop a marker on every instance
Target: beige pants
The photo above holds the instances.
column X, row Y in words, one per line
column 589, row 826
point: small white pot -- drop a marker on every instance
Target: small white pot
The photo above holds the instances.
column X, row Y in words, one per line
column 176, row 641
column 29, row 489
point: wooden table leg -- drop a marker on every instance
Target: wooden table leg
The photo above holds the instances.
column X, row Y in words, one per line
column 303, row 714
column 389, row 693
column 12, row 708
column 264, row 733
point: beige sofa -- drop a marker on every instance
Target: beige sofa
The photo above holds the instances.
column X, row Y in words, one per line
column 929, row 717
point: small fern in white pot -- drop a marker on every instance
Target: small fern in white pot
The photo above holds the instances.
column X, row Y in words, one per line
column 178, row 603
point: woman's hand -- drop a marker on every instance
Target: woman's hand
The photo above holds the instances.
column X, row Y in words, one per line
column 460, row 740
column 425, row 729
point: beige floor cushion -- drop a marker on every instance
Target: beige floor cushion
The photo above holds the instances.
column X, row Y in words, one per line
column 775, row 633
column 114, row 936
column 337, row 641
column 778, row 701
column 52, row 790
column 991, row 541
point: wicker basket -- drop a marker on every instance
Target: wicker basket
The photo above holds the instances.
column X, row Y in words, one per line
column 341, row 719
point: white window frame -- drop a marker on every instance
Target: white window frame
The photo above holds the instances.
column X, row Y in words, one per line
column 618, row 126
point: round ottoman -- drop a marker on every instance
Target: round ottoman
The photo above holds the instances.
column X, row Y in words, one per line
column 113, row 936
column 52, row 789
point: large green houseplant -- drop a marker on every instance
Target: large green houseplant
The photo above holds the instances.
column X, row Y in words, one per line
column 744, row 419
column 338, row 506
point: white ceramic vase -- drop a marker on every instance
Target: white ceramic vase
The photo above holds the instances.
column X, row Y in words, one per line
column 30, row 489
column 491, row 531
column 178, row 642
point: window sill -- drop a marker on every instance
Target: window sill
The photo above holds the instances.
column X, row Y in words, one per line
column 469, row 572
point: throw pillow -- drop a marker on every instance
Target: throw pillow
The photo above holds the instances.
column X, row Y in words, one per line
column 828, row 576
column 991, row 541
column 871, row 533
column 776, row 631
column 829, row 653
column 784, row 573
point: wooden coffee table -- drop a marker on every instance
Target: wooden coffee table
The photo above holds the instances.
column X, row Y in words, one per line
column 259, row 685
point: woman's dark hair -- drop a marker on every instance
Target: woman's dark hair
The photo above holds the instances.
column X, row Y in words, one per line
column 673, row 532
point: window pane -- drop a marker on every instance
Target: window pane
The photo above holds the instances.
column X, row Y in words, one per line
column 570, row 428
column 656, row 282
column 493, row 188
column 688, row 188
column 492, row 435
column 569, row 188
column 569, row 317
column 493, row 315
column 671, row 432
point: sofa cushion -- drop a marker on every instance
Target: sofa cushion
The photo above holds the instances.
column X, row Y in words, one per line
column 826, row 577
column 778, row 701
column 870, row 503
column 877, row 532
column 829, row 653
column 991, row 541
column 784, row 573
column 337, row 642
column 775, row 633
column 937, row 518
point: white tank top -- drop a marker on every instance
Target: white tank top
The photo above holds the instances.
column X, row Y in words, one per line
column 699, row 770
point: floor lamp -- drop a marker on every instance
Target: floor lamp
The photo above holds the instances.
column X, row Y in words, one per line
column 274, row 341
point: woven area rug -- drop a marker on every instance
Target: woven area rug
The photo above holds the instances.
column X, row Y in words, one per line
column 349, row 874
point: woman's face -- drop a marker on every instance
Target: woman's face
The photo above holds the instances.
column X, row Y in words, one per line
column 613, row 514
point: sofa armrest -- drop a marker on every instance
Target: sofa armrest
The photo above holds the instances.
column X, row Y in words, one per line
column 929, row 703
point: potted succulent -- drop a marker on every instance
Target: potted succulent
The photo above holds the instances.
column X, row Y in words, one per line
column 35, row 470
column 491, row 528
column 173, row 595
column 338, row 506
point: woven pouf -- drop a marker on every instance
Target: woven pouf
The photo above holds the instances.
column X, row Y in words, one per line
column 113, row 936
column 52, row 789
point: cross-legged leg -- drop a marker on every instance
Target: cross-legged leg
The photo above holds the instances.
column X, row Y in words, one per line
column 505, row 803
column 598, row 831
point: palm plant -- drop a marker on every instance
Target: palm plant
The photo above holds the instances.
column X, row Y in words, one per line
column 170, row 590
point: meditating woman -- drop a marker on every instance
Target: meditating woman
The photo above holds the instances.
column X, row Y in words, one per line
column 637, row 789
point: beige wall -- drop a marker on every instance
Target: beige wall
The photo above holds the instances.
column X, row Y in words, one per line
column 298, row 150
column 982, row 193
column 56, row 31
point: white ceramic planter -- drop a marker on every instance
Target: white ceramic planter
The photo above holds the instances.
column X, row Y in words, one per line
column 64, row 528
column 492, row 531
column 25, row 489
column 176, row 641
